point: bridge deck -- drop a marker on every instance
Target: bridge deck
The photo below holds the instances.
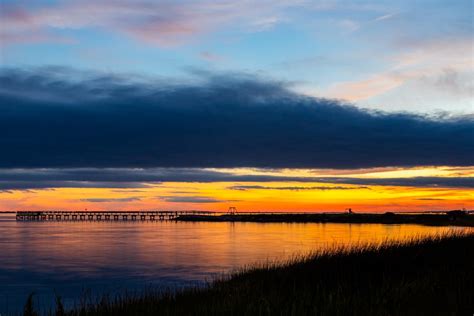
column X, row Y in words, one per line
column 109, row 215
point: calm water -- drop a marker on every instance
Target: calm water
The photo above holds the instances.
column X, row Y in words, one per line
column 106, row 257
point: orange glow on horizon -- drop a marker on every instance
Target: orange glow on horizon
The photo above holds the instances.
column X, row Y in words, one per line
column 220, row 196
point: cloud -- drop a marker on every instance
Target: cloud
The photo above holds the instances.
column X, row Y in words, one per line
column 162, row 23
column 349, row 26
column 127, row 176
column 108, row 200
column 211, row 57
column 130, row 178
column 293, row 188
column 428, row 75
column 191, row 199
column 385, row 17
column 45, row 184
column 128, row 191
column 425, row 182
column 61, row 119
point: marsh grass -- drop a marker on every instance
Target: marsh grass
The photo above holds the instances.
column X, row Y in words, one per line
column 419, row 276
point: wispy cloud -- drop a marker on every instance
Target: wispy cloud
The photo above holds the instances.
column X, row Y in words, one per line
column 423, row 72
column 349, row 26
column 192, row 199
column 110, row 200
column 295, row 188
column 210, row 56
column 385, row 17
column 156, row 22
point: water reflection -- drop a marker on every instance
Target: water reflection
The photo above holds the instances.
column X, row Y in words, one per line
column 109, row 256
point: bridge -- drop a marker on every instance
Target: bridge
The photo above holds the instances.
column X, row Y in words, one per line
column 104, row 216
column 173, row 215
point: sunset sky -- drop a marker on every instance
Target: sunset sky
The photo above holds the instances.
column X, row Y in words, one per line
column 262, row 105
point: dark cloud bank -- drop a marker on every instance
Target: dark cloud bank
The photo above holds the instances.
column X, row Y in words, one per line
column 59, row 118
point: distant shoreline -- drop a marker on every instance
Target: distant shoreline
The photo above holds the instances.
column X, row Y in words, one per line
column 450, row 218
column 453, row 218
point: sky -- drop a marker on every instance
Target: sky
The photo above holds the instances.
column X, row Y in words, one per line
column 266, row 106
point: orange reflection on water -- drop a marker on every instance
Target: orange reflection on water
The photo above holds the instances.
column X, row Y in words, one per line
column 89, row 247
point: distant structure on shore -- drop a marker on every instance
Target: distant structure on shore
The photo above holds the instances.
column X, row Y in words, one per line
column 232, row 210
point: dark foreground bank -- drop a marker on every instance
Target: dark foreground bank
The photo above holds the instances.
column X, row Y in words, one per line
column 452, row 218
column 423, row 277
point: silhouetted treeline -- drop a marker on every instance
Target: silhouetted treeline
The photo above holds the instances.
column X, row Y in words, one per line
column 452, row 218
